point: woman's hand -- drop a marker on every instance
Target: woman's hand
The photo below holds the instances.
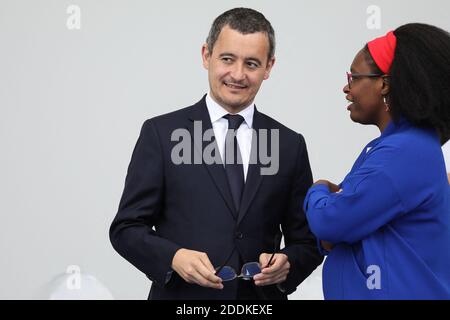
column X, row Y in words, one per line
column 326, row 245
column 333, row 187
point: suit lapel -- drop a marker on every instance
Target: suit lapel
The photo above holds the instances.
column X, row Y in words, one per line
column 217, row 171
column 254, row 177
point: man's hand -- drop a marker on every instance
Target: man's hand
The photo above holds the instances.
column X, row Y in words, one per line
column 195, row 267
column 333, row 187
column 275, row 273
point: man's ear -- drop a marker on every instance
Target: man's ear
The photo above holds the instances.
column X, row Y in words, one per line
column 205, row 56
column 385, row 86
column 269, row 67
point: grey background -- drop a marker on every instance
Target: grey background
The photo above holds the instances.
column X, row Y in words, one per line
column 73, row 101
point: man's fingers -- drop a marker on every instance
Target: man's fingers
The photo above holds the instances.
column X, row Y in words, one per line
column 278, row 262
column 208, row 271
column 199, row 279
column 274, row 268
column 270, row 277
column 195, row 267
column 207, row 274
column 268, row 280
column 264, row 259
column 279, row 268
column 206, row 262
column 281, row 277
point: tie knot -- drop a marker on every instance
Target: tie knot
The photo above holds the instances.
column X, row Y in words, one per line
column 234, row 121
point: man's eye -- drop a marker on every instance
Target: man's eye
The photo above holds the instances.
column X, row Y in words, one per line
column 227, row 60
column 252, row 65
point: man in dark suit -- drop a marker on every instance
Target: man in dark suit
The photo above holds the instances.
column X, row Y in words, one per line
column 180, row 220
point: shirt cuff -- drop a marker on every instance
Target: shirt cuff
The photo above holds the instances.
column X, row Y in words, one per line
column 280, row 287
column 168, row 276
column 314, row 194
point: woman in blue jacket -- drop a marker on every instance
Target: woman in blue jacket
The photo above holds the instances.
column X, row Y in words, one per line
column 386, row 227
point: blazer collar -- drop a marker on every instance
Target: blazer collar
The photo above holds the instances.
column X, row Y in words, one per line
column 199, row 112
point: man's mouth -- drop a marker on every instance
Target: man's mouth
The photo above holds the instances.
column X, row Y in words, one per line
column 235, row 86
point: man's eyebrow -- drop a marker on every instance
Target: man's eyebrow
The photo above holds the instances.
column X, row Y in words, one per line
column 229, row 54
column 254, row 59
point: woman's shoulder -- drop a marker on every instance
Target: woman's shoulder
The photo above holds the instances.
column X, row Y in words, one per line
column 413, row 142
column 407, row 152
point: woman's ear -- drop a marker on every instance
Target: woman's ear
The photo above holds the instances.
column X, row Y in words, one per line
column 386, row 85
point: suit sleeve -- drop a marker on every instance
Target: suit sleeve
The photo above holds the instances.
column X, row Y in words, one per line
column 300, row 243
column 368, row 201
column 131, row 232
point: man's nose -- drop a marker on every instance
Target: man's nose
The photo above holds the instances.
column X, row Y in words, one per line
column 238, row 72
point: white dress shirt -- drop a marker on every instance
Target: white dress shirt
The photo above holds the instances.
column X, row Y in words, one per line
column 220, row 127
column 446, row 151
column 243, row 134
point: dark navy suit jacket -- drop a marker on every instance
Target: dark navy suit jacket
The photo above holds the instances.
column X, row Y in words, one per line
column 165, row 207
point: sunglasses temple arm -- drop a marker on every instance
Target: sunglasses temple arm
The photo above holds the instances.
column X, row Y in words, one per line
column 277, row 240
column 270, row 260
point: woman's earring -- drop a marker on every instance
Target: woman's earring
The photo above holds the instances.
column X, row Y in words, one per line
column 385, row 103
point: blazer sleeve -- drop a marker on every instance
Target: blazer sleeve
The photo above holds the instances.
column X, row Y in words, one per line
column 132, row 231
column 368, row 201
column 300, row 243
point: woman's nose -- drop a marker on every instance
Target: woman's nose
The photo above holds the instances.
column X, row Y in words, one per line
column 346, row 89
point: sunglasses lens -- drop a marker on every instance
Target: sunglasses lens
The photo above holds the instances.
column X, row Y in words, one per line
column 249, row 270
column 226, row 274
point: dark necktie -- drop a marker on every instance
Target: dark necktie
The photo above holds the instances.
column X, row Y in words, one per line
column 233, row 161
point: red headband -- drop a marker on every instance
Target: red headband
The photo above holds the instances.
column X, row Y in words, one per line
column 382, row 51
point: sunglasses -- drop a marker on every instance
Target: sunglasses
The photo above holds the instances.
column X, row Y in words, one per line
column 249, row 269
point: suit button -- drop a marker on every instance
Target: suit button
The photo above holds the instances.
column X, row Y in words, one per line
column 239, row 235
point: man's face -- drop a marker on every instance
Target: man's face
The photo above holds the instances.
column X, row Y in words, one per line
column 237, row 66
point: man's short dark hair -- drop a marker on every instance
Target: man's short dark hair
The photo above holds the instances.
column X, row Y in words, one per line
column 244, row 20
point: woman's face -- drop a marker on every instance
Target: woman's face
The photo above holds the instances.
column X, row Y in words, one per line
column 365, row 93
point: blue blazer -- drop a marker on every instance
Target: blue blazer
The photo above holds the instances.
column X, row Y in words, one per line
column 390, row 224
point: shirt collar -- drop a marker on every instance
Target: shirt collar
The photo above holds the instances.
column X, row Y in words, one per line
column 394, row 126
column 216, row 111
